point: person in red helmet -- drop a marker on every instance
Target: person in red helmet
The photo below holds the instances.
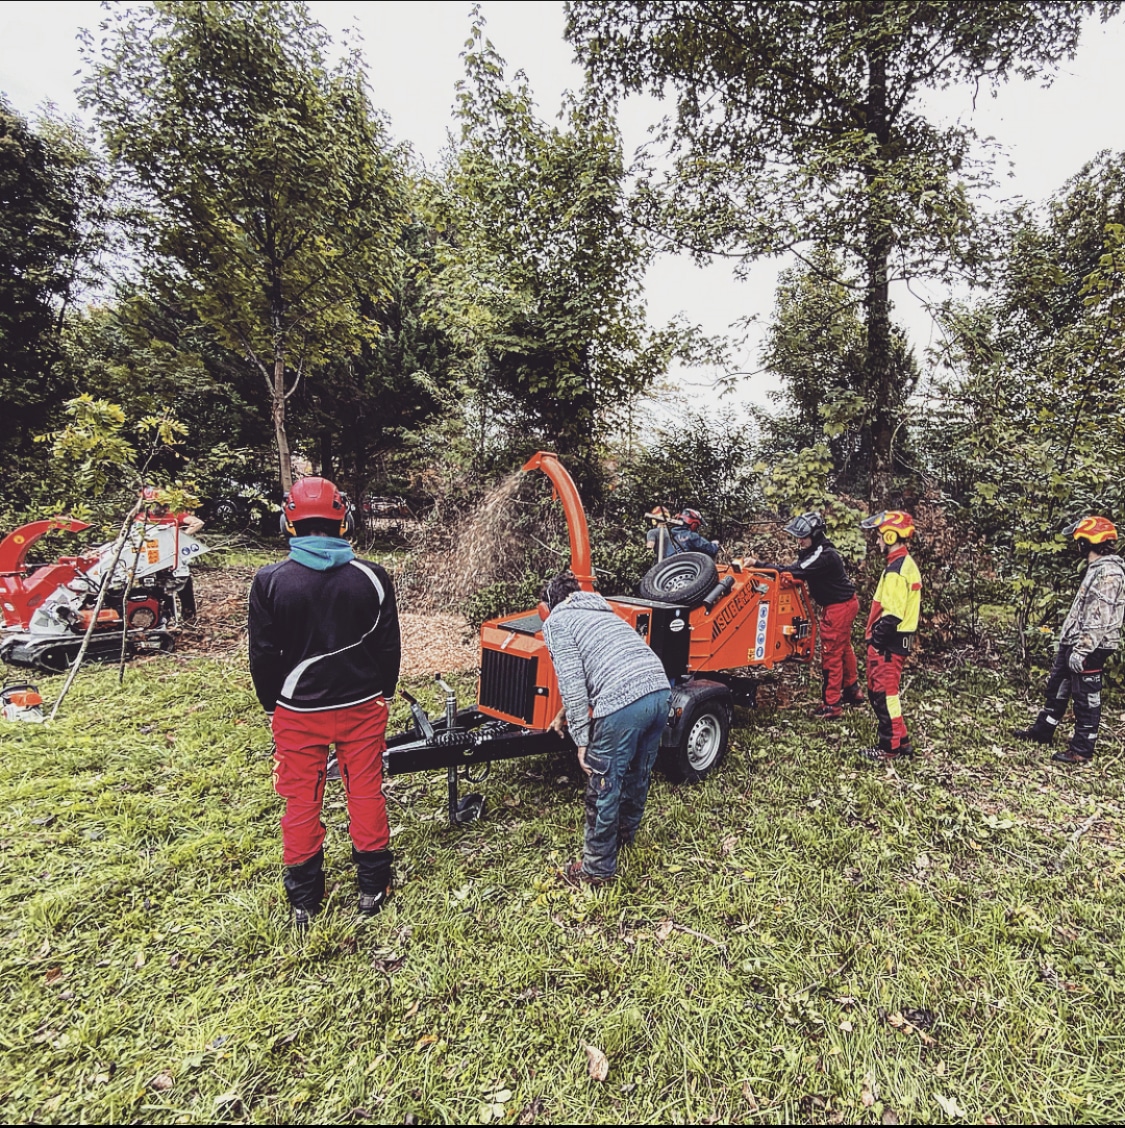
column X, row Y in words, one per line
column 1090, row 633
column 325, row 651
column 670, row 535
column 891, row 626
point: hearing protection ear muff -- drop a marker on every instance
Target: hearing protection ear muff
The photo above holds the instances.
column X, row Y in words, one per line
column 289, row 529
column 889, row 537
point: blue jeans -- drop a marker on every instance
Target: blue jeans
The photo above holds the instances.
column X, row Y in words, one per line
column 620, row 755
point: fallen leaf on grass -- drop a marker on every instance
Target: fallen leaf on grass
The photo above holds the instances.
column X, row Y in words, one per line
column 890, row 1117
column 54, row 974
column 846, row 1026
column 867, row 1096
column 140, row 961
column 899, row 1022
column 531, row 1112
column 729, row 844
column 664, row 929
column 425, row 1042
column 596, row 1063
column 162, row 1082
column 950, row 1107
column 749, row 1097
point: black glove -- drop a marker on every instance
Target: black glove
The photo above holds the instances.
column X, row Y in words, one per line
column 884, row 635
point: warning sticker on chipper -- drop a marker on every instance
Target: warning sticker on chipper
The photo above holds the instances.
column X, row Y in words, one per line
column 760, row 638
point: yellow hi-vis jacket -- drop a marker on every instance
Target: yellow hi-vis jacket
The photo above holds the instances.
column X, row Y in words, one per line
column 899, row 594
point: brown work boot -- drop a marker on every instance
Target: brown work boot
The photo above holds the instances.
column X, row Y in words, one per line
column 574, row 875
column 828, row 712
column 1069, row 756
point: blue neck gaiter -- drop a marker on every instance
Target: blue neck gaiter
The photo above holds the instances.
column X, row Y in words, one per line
column 320, row 553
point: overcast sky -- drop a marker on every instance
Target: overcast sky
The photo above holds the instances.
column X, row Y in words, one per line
column 413, row 52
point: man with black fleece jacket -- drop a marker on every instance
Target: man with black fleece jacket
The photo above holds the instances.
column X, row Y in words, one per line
column 324, row 656
column 820, row 565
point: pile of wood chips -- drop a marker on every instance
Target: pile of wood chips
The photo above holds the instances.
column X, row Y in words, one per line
column 431, row 643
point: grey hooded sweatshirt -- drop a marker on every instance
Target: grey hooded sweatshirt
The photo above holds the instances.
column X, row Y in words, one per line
column 602, row 664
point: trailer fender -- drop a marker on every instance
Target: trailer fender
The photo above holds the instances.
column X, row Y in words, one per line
column 695, row 740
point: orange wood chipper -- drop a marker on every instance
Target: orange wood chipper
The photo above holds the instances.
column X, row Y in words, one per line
column 713, row 626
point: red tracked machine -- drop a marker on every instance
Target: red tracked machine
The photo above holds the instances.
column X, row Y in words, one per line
column 45, row 610
column 713, row 626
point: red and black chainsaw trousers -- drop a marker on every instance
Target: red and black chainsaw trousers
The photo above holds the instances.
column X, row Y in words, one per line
column 884, row 678
column 300, row 771
column 837, row 658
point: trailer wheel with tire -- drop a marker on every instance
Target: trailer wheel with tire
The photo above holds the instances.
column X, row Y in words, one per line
column 698, row 733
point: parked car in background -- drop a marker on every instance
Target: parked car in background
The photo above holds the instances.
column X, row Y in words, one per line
column 386, row 506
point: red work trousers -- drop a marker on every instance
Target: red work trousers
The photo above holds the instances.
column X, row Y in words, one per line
column 301, row 767
column 884, row 678
column 837, row 658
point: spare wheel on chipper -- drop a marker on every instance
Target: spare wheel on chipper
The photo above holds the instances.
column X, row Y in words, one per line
column 686, row 577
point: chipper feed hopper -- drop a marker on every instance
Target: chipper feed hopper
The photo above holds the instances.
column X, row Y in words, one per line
column 713, row 626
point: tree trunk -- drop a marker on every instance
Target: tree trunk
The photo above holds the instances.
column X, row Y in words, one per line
column 881, row 389
column 285, row 461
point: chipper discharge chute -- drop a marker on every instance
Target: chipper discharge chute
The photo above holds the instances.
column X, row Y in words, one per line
column 713, row 626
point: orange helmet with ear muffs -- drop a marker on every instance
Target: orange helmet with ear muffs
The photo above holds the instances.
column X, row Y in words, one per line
column 893, row 525
column 314, row 497
column 1096, row 530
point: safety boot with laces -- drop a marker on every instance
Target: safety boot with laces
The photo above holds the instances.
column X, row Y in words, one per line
column 303, row 918
column 371, row 904
column 880, row 754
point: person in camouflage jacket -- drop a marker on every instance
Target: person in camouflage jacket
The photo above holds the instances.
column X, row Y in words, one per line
column 1091, row 632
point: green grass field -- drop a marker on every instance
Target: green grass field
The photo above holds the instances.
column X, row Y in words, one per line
column 801, row 938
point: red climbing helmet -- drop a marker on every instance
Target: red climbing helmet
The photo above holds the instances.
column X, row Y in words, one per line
column 314, row 497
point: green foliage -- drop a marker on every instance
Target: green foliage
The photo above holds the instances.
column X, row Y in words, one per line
column 1032, row 420
column 799, row 482
column 52, row 222
column 97, row 468
column 816, row 345
column 802, row 124
column 502, row 598
column 272, row 200
column 698, row 459
column 544, row 269
column 367, row 420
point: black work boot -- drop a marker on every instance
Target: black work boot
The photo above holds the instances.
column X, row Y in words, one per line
column 304, row 886
column 1034, row 734
column 852, row 695
column 881, row 753
column 373, row 873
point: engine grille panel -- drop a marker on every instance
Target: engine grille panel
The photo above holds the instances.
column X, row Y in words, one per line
column 507, row 683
